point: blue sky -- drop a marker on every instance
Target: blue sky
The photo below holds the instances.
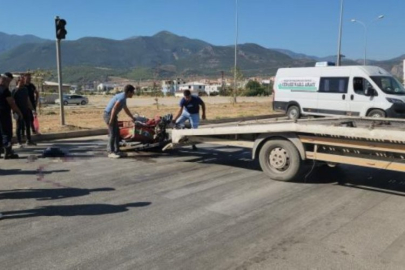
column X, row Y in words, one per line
column 303, row 26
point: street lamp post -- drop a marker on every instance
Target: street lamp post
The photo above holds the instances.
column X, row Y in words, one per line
column 236, row 52
column 365, row 34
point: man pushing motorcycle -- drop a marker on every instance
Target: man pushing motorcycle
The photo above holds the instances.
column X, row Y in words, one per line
column 116, row 104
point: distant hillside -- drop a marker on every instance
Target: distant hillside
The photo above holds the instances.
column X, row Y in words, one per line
column 163, row 48
column 164, row 55
column 395, row 65
column 295, row 55
column 330, row 58
column 8, row 42
column 165, row 52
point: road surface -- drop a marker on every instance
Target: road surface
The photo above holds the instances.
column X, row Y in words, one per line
column 206, row 209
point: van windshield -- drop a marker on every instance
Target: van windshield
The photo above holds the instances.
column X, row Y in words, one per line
column 389, row 85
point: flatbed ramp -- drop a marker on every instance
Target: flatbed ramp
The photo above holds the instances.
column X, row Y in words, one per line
column 283, row 146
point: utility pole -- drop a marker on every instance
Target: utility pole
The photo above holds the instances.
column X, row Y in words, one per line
column 340, row 34
column 236, row 54
column 155, row 75
column 222, row 82
column 60, row 34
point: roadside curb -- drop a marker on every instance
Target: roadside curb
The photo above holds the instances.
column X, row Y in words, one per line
column 69, row 135
column 104, row 131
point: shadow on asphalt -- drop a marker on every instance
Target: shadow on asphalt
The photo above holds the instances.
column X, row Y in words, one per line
column 236, row 158
column 10, row 172
column 384, row 181
column 349, row 176
column 73, row 210
column 374, row 180
column 239, row 159
column 49, row 194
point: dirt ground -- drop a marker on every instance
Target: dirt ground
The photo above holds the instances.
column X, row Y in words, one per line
column 90, row 116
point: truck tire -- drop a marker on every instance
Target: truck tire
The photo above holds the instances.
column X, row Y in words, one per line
column 293, row 112
column 280, row 160
column 376, row 113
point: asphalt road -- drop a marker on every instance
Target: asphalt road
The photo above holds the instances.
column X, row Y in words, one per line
column 206, row 209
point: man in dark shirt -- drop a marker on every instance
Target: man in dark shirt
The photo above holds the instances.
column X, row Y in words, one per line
column 6, row 125
column 34, row 98
column 22, row 100
column 190, row 110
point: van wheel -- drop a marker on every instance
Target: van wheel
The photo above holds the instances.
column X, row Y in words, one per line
column 293, row 112
column 280, row 160
column 376, row 114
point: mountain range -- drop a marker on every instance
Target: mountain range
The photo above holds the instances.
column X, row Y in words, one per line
column 163, row 55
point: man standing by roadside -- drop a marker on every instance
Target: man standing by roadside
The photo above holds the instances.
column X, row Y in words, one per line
column 23, row 102
column 6, row 125
column 190, row 110
column 116, row 104
column 34, row 98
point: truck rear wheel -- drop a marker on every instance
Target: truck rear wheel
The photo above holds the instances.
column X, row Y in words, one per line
column 293, row 112
column 280, row 160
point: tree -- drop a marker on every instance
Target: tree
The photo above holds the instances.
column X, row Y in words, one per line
column 239, row 77
column 39, row 76
column 253, row 85
column 225, row 91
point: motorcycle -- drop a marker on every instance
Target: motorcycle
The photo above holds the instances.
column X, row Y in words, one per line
column 143, row 133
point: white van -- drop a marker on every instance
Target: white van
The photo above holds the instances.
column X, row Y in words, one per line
column 338, row 91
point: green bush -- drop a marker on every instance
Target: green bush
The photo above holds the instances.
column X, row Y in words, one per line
column 254, row 88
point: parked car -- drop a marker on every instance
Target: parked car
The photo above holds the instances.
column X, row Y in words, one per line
column 73, row 99
column 42, row 100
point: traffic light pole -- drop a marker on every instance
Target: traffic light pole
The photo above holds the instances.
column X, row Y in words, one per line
column 59, row 64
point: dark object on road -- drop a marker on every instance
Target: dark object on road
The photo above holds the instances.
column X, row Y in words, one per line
column 53, row 152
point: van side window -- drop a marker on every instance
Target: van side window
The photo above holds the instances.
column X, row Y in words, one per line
column 360, row 84
column 334, row 85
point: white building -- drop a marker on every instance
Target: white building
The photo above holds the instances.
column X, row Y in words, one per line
column 196, row 88
column 105, row 86
column 213, row 89
column 172, row 86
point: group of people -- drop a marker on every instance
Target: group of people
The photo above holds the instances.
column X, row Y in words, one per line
column 189, row 109
column 20, row 104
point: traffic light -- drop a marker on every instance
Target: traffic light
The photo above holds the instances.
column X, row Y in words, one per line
column 60, row 28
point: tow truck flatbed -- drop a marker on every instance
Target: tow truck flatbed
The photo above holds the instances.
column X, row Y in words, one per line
column 282, row 146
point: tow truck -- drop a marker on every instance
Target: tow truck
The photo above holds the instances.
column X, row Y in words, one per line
column 282, row 147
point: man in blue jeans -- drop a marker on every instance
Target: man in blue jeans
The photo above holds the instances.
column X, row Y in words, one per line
column 190, row 110
column 116, row 104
